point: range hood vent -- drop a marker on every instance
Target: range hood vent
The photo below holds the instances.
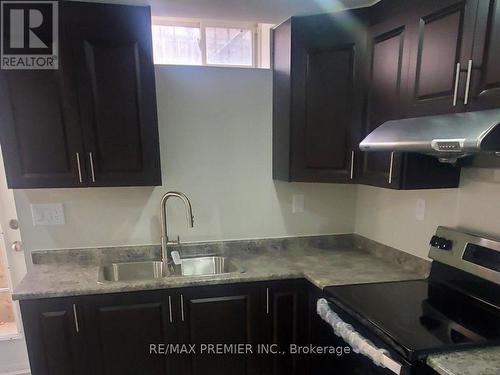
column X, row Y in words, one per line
column 447, row 137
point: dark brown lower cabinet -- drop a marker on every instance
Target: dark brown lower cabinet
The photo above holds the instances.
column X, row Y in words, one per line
column 214, row 315
column 120, row 329
column 54, row 336
column 285, row 325
column 120, row 334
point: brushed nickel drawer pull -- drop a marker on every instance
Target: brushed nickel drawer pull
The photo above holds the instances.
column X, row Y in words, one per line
column 75, row 315
column 391, row 167
column 267, row 301
column 170, row 309
column 467, row 83
column 352, row 164
column 79, row 167
column 182, row 307
column 457, row 81
column 92, row 166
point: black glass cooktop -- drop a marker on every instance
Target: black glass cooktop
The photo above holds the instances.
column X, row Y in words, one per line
column 420, row 317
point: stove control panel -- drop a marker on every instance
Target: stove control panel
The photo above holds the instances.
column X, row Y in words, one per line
column 470, row 253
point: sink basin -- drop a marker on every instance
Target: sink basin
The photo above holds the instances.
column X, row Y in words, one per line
column 133, row 271
column 154, row 270
column 211, row 265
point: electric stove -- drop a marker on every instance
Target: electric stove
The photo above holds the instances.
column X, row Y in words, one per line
column 456, row 307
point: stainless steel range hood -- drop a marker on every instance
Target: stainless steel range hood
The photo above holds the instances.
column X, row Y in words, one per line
column 447, row 137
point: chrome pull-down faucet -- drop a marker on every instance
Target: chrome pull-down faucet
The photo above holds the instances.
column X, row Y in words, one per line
column 163, row 217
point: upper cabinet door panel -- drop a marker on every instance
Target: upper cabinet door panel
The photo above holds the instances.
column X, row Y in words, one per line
column 441, row 39
column 40, row 129
column 327, row 63
column 114, row 72
column 327, row 146
column 388, row 74
column 485, row 89
column 112, row 46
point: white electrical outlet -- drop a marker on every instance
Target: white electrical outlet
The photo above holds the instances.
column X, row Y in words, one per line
column 297, row 203
column 420, row 210
column 47, row 214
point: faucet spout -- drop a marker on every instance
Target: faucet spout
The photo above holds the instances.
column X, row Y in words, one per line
column 163, row 218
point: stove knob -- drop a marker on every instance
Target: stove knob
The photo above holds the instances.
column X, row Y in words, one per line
column 434, row 241
column 446, row 244
column 441, row 243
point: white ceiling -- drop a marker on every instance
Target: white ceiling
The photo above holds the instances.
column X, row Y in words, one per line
column 265, row 11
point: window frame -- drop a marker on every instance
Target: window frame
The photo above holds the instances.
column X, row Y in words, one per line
column 202, row 25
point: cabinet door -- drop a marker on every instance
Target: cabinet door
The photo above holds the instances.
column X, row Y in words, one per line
column 327, row 56
column 226, row 314
column 485, row 88
column 442, row 37
column 388, row 78
column 285, row 324
column 112, row 49
column 54, row 336
column 40, row 132
column 120, row 330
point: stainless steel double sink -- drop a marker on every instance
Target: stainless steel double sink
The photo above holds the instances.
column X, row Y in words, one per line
column 154, row 270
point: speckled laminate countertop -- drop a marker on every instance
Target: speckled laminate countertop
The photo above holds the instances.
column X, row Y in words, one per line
column 471, row 362
column 320, row 260
column 323, row 260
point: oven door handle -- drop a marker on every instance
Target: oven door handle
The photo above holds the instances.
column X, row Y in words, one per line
column 356, row 341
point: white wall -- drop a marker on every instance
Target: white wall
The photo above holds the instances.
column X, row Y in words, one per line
column 389, row 216
column 215, row 131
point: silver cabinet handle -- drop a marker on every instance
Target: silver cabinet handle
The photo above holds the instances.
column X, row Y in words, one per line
column 170, row 309
column 467, row 83
column 267, row 301
column 182, row 307
column 457, row 81
column 391, row 167
column 352, row 164
column 75, row 315
column 79, row 167
column 92, row 166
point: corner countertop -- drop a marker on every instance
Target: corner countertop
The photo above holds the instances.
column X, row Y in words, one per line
column 322, row 262
column 484, row 361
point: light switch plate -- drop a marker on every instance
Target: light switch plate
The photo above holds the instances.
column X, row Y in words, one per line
column 297, row 203
column 47, row 214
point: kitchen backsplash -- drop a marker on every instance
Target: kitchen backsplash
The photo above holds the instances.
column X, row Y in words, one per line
column 389, row 216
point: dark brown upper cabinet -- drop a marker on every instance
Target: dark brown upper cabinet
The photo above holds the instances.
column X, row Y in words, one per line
column 389, row 60
column 388, row 48
column 93, row 122
column 40, row 127
column 112, row 50
column 317, row 97
column 441, row 37
column 485, row 75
